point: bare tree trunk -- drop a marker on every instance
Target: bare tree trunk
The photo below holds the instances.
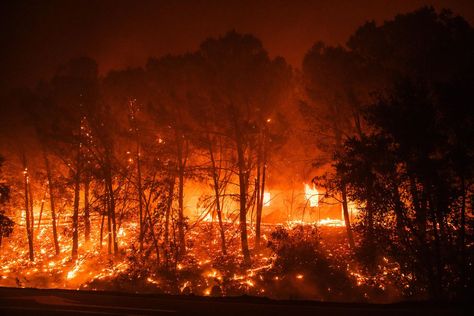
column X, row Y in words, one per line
column 133, row 109
column 109, row 232
column 109, row 223
column 101, row 237
column 32, row 217
column 29, row 231
column 75, row 216
column 243, row 203
column 113, row 218
column 400, row 216
column 243, row 185
column 110, row 198
column 345, row 207
column 181, row 167
column 261, row 194
column 258, row 200
column 41, row 210
column 217, row 195
column 87, row 220
column 52, row 204
column 420, row 211
column 140, row 196
column 169, row 208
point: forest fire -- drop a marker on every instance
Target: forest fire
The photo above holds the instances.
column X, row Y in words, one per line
column 312, row 195
column 59, row 271
column 226, row 171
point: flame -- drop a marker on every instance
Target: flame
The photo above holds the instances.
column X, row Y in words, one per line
column 312, row 195
column 152, row 281
column 332, row 222
column 266, row 199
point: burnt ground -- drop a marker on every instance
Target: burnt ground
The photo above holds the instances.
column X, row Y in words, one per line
column 26, row 301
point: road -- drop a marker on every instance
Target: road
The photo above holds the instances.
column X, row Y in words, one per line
column 15, row 301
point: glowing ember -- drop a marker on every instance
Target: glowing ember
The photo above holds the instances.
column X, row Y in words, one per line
column 152, row 281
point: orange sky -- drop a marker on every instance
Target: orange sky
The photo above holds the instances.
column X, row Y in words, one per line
column 38, row 35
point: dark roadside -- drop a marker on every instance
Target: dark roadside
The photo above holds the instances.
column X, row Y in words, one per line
column 19, row 301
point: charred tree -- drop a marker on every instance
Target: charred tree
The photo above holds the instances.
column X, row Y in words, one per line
column 52, row 203
column 243, row 174
column 217, row 193
column 28, row 213
column 87, row 218
column 181, row 147
column 75, row 216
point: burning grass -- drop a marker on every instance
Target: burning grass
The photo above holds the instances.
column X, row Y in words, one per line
column 296, row 262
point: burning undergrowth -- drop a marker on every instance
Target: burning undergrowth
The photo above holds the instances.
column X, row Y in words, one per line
column 296, row 262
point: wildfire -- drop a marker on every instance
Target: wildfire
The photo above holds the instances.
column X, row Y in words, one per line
column 94, row 265
column 312, row 195
column 266, row 199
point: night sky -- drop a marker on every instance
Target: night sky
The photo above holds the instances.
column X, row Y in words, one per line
column 37, row 36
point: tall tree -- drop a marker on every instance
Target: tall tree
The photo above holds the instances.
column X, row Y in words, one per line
column 6, row 224
column 246, row 85
column 75, row 93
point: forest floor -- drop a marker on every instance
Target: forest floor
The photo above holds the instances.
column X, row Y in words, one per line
column 331, row 274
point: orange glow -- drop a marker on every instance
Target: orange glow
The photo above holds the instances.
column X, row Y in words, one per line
column 266, row 199
column 312, row 195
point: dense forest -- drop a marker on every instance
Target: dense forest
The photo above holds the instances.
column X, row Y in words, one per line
column 97, row 170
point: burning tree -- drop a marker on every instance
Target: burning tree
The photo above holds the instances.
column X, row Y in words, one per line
column 6, row 224
column 246, row 86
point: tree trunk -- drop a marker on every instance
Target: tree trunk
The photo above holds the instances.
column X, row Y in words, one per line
column 243, row 203
column 400, row 216
column 101, row 237
column 75, row 216
column 110, row 197
column 345, row 209
column 169, row 208
column 260, row 200
column 41, row 210
column 181, row 167
column 87, row 220
column 29, row 231
column 52, row 204
column 114, row 222
column 109, row 231
column 420, row 211
column 215, row 178
column 32, row 216
column 140, row 196
column 153, row 236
